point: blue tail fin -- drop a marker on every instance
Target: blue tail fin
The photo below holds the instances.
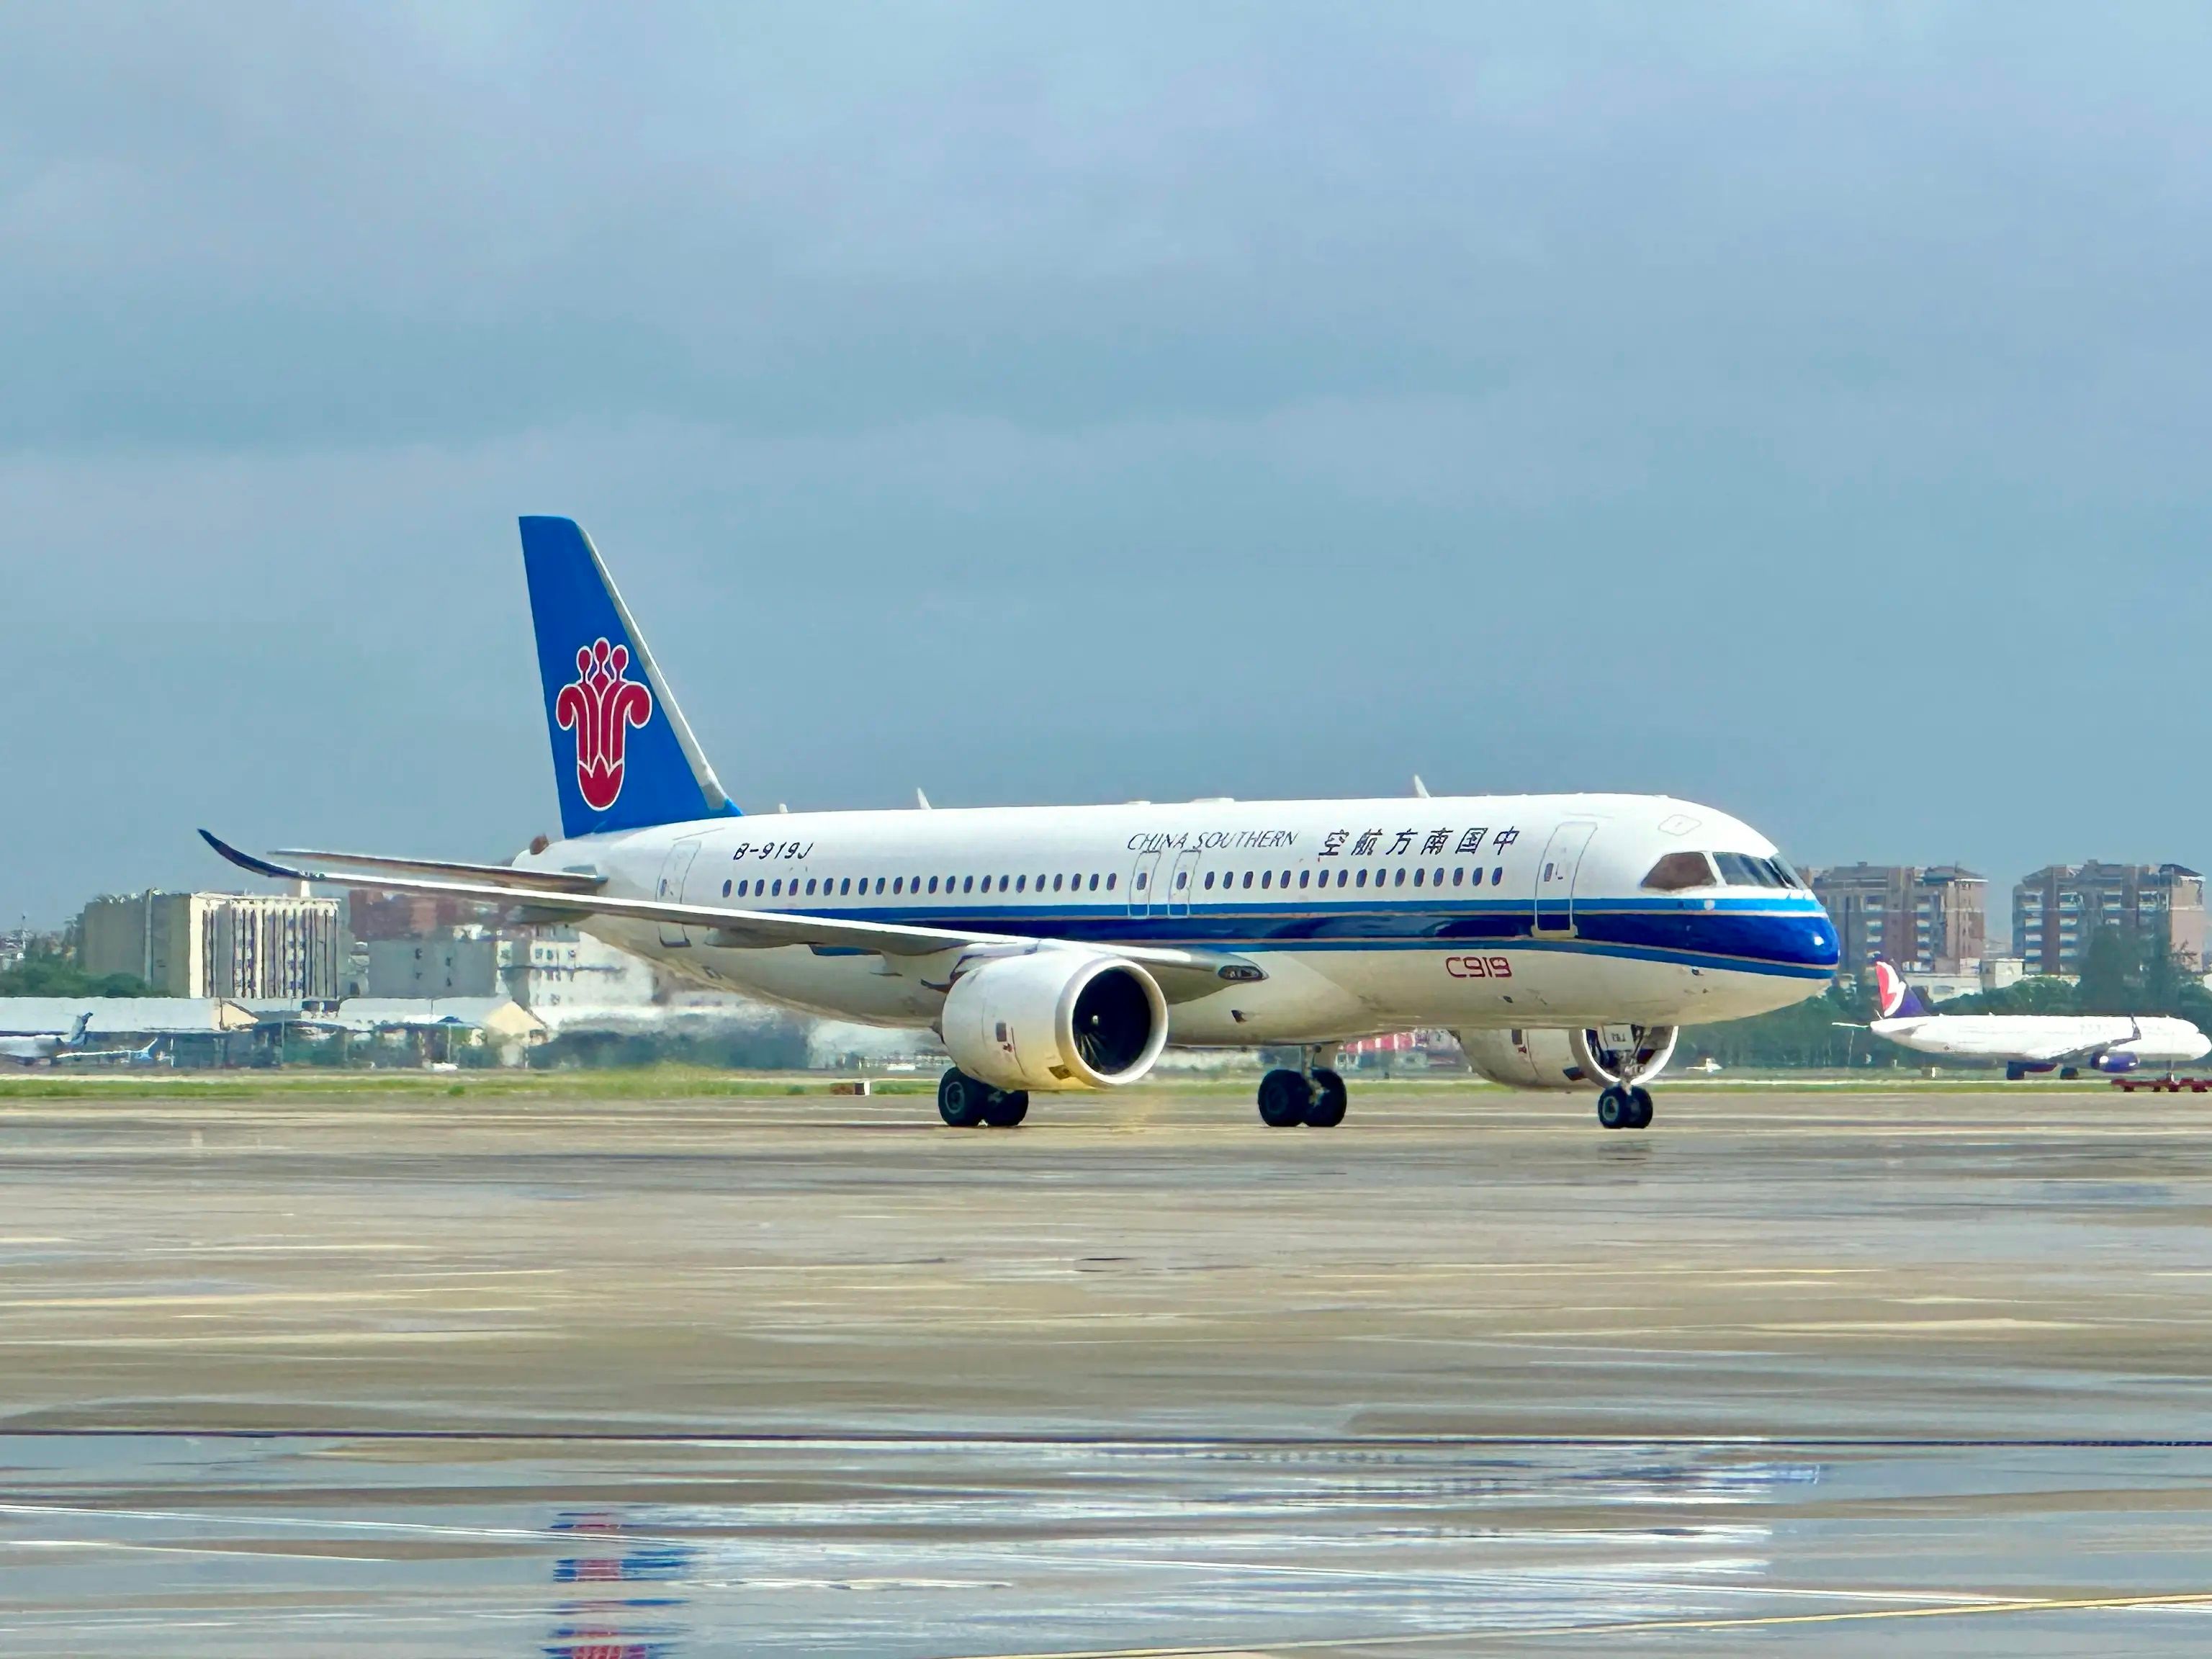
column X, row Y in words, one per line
column 623, row 754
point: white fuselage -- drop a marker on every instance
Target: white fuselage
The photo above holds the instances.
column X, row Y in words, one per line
column 2045, row 1039
column 1365, row 915
column 32, row 1049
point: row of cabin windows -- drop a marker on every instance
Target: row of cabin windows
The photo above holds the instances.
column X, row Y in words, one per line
column 1344, row 877
column 836, row 887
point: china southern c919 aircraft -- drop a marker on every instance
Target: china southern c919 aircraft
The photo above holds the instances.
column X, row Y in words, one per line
column 1564, row 938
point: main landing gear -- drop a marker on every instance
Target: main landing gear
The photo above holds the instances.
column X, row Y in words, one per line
column 1625, row 1106
column 968, row 1102
column 1313, row 1096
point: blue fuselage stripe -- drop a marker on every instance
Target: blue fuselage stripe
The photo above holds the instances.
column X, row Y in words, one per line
column 1759, row 937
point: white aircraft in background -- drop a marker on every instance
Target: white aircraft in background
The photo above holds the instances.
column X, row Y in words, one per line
column 60, row 1048
column 2112, row 1043
column 1564, row 937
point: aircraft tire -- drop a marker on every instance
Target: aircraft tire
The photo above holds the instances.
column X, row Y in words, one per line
column 1614, row 1109
column 1007, row 1108
column 1284, row 1097
column 1641, row 1097
column 1329, row 1100
column 961, row 1099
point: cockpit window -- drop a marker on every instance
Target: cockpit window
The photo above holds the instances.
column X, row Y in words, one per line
column 1742, row 870
column 1678, row 870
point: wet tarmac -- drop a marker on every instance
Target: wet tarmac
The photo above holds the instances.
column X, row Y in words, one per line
column 1810, row 1371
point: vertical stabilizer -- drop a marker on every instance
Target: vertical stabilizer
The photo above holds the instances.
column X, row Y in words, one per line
column 623, row 754
column 1893, row 998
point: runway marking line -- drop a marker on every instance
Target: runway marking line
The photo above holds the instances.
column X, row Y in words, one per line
column 1632, row 1627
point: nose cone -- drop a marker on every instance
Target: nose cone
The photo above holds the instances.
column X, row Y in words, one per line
column 1822, row 950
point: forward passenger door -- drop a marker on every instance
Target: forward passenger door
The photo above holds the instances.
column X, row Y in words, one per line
column 1555, row 879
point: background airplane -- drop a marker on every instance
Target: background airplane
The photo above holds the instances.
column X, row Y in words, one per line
column 63, row 1048
column 2033, row 1043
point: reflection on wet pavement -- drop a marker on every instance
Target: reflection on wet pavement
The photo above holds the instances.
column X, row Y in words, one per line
column 588, row 1550
column 660, row 1380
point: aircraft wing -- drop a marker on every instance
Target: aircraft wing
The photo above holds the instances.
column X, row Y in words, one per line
column 1183, row 974
column 70, row 1057
column 560, row 881
column 2058, row 1048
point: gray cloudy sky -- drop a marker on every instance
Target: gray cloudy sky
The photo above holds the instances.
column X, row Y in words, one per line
column 1802, row 409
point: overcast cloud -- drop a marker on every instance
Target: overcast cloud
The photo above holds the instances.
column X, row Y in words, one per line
column 1802, row 409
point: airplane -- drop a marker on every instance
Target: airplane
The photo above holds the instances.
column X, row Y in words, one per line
column 2112, row 1043
column 1564, row 938
column 59, row 1048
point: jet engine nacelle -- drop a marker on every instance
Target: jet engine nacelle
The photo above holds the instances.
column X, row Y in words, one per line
column 2116, row 1061
column 1055, row 1019
column 1536, row 1057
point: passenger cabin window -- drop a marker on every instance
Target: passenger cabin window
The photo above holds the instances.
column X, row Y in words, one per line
column 1678, row 872
column 1111, row 880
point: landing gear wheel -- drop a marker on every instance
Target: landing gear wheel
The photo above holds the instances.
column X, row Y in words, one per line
column 962, row 1100
column 1329, row 1099
column 1007, row 1108
column 1640, row 1098
column 1615, row 1110
column 1285, row 1098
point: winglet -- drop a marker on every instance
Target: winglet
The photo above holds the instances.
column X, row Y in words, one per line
column 247, row 862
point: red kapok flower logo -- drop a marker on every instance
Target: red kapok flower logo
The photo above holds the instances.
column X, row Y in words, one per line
column 601, row 706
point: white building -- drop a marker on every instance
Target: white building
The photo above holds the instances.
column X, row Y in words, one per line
column 563, row 976
column 557, row 973
column 447, row 964
column 217, row 944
